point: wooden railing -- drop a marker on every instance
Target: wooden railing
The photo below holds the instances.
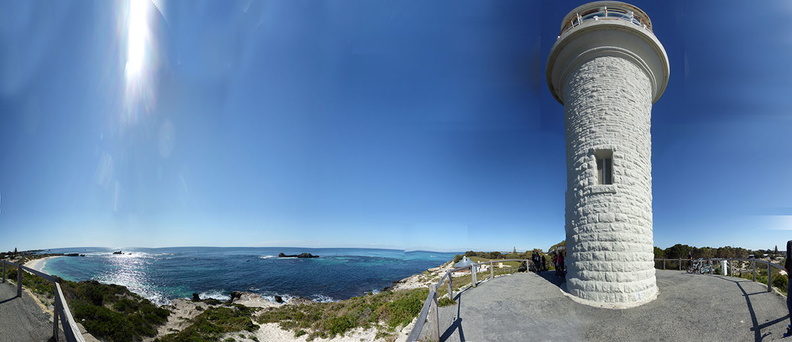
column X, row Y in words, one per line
column 431, row 309
column 716, row 261
column 61, row 310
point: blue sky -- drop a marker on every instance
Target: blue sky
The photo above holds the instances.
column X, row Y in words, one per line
column 418, row 125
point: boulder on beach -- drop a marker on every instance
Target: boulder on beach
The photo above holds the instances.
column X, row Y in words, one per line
column 196, row 298
column 278, row 299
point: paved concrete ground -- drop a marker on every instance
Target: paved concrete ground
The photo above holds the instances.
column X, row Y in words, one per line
column 21, row 319
column 690, row 307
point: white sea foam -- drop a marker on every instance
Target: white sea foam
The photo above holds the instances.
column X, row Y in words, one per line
column 322, row 298
column 214, row 294
column 267, row 256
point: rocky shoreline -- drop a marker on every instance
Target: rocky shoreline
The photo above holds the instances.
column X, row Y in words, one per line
column 185, row 310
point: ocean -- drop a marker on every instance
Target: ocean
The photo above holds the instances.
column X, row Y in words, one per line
column 163, row 274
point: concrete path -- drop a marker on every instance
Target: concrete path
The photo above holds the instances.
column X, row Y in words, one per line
column 21, row 319
column 690, row 307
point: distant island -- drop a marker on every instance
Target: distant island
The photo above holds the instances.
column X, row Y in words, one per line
column 301, row 255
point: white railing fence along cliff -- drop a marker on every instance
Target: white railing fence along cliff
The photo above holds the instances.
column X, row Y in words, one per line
column 431, row 309
column 61, row 311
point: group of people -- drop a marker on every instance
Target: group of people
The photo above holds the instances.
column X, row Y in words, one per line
column 558, row 261
column 540, row 262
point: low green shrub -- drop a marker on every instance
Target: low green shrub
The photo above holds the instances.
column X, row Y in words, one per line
column 326, row 320
column 215, row 321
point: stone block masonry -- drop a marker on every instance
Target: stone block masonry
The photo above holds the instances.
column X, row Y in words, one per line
column 607, row 68
column 610, row 246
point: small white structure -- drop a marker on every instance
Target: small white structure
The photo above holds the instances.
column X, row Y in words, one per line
column 607, row 68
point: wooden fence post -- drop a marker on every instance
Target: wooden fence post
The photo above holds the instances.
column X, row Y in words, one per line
column 19, row 280
column 437, row 311
column 450, row 286
column 754, row 268
column 4, row 272
column 58, row 308
column 769, row 277
column 473, row 274
column 680, row 264
column 492, row 270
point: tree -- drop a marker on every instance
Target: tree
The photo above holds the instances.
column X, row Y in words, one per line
column 556, row 246
column 775, row 251
column 659, row 253
column 678, row 251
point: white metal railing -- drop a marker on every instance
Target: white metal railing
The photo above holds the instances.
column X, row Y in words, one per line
column 606, row 13
column 61, row 310
column 431, row 307
column 770, row 266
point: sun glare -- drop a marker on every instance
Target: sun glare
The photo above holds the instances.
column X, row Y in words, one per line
column 141, row 59
column 137, row 38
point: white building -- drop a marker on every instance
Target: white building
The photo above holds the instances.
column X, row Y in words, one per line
column 607, row 68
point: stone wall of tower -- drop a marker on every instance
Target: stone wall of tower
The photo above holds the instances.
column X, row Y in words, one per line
column 610, row 256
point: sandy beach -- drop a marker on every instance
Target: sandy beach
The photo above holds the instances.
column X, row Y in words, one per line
column 38, row 264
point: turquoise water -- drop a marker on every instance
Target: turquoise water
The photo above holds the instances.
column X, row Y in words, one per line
column 162, row 274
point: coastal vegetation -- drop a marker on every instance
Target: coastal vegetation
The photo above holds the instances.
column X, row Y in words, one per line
column 215, row 321
column 386, row 311
column 113, row 313
column 109, row 312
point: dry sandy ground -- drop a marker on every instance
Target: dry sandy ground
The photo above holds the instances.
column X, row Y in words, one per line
column 422, row 279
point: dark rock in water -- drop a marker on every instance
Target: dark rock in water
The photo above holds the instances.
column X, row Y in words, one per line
column 118, row 252
column 301, row 255
column 72, row 254
column 196, row 298
column 235, row 295
column 386, row 289
column 278, row 299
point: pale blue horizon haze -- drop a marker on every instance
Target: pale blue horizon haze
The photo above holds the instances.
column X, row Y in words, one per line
column 405, row 125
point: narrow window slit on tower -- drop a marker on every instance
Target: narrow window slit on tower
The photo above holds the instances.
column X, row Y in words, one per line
column 604, row 167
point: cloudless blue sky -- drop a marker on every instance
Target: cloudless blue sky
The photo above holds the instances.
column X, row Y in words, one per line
column 411, row 124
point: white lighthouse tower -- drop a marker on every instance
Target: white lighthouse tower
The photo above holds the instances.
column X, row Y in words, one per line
column 607, row 68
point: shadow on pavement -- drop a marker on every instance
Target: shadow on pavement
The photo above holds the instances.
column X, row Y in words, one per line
column 552, row 278
column 457, row 325
column 757, row 329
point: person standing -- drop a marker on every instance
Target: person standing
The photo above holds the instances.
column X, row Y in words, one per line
column 787, row 267
column 544, row 263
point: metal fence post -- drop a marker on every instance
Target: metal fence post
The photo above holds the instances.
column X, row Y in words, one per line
column 769, row 277
column 664, row 263
column 4, row 272
column 680, row 264
column 492, row 270
column 473, row 274
column 19, row 280
column 754, row 269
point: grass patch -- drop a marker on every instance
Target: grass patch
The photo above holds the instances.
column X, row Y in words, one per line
column 326, row 320
column 214, row 322
column 445, row 301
